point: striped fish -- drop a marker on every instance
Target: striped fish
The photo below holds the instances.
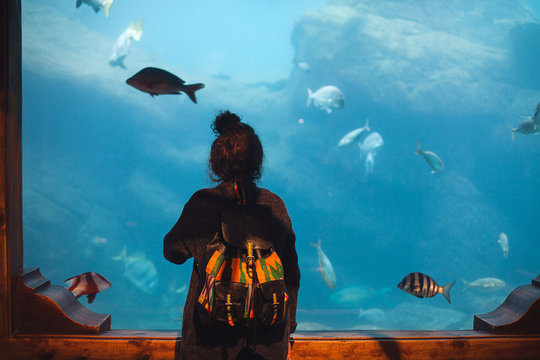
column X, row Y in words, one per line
column 421, row 285
column 88, row 283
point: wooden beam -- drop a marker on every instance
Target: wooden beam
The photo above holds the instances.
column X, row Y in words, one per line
column 336, row 345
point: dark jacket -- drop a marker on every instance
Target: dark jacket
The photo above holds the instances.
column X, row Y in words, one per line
column 188, row 238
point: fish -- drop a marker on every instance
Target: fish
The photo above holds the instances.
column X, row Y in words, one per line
column 326, row 98
column 434, row 161
column 327, row 270
column 373, row 315
column 139, row 270
column 304, row 66
column 352, row 296
column 88, row 283
column 503, row 240
column 157, row 81
column 354, row 135
column 371, row 144
column 97, row 5
column 421, row 285
column 485, row 284
column 370, row 163
column 122, row 46
column 527, row 127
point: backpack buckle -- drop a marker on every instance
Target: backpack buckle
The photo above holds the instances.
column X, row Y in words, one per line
column 250, row 259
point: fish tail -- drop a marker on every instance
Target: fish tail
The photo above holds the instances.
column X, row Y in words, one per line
column 446, row 291
column 513, row 132
column 122, row 255
column 136, row 30
column 317, row 245
column 309, row 95
column 190, row 91
column 367, row 125
column 418, row 148
column 465, row 284
column 107, row 6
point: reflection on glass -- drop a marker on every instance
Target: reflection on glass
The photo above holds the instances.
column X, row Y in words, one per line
column 107, row 168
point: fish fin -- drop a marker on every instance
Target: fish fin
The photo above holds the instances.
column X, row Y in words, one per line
column 309, row 95
column 446, row 291
column 465, row 284
column 367, row 125
column 122, row 254
column 418, row 148
column 91, row 298
column 190, row 90
column 317, row 245
column 107, row 6
column 78, row 3
column 513, row 132
column 136, row 30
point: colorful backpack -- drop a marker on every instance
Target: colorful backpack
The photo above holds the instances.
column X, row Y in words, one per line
column 242, row 279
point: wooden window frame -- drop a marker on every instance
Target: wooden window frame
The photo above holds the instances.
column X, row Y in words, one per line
column 38, row 320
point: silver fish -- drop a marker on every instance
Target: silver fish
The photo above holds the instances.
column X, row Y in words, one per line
column 97, row 5
column 139, row 270
column 434, row 162
column 354, row 135
column 326, row 98
column 122, row 46
column 157, row 81
column 421, row 285
column 503, row 241
column 352, row 296
column 304, row 66
column 325, row 266
column 485, row 284
column 527, row 127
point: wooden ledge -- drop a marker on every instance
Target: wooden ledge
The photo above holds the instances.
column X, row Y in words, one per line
column 519, row 313
column 50, row 309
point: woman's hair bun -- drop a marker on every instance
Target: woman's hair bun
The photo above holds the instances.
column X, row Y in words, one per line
column 226, row 121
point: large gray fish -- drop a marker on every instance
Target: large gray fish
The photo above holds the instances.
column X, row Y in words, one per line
column 97, row 5
column 157, row 81
column 327, row 98
column 434, row 162
column 325, row 266
column 122, row 46
column 527, row 127
column 421, row 285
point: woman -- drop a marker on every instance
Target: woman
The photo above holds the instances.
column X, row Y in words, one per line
column 235, row 163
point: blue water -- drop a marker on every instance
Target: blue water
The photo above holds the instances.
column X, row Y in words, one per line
column 107, row 167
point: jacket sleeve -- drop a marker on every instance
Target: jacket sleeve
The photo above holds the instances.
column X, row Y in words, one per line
column 292, row 277
column 197, row 223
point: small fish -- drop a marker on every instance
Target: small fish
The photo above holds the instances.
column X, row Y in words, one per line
column 354, row 135
column 302, row 65
column 503, row 240
column 88, row 283
column 434, row 162
column 352, row 296
column 485, row 284
column 371, row 144
column 158, row 82
column 97, row 5
column 122, row 46
column 421, row 285
column 327, row 270
column 527, row 127
column 373, row 315
column 327, row 98
column 139, row 270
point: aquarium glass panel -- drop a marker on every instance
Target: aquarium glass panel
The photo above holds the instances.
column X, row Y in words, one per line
column 401, row 135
